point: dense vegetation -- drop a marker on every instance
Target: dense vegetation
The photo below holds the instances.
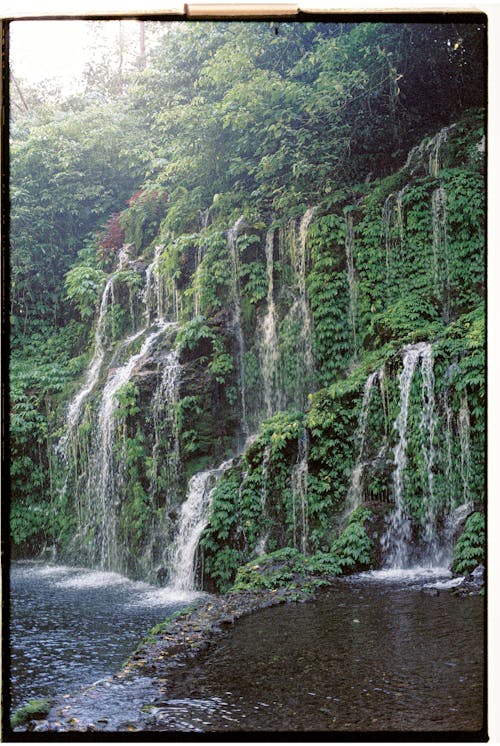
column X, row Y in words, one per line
column 206, row 165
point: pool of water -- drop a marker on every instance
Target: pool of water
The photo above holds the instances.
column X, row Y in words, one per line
column 70, row 627
column 375, row 654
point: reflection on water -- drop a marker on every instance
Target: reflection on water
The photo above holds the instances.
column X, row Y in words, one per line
column 370, row 656
column 70, row 627
column 376, row 653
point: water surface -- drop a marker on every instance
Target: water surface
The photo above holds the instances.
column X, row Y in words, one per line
column 375, row 654
column 70, row 627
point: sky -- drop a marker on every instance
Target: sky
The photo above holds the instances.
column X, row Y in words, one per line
column 41, row 50
column 47, row 49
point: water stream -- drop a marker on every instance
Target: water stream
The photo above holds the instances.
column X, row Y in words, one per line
column 232, row 244
column 397, row 540
column 193, row 519
column 70, row 626
column 268, row 339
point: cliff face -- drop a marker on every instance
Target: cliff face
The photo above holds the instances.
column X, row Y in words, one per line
column 254, row 383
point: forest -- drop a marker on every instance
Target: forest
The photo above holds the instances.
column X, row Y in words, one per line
column 247, row 283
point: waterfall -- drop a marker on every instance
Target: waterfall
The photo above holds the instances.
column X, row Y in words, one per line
column 426, row 155
column 396, row 540
column 355, row 492
column 164, row 403
column 439, row 518
column 427, row 429
column 457, row 513
column 104, row 471
column 232, row 237
column 300, row 512
column 93, row 372
column 351, row 280
column 464, row 434
column 300, row 312
column 440, row 250
column 96, row 475
column 153, row 293
column 268, row 339
column 393, row 233
column 434, row 148
column 193, row 519
column 306, row 331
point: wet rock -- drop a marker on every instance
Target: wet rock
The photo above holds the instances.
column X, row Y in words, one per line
column 478, row 573
column 430, row 591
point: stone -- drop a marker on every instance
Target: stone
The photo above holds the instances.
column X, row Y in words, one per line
column 478, row 573
column 430, row 591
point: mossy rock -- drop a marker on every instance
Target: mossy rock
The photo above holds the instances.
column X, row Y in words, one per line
column 287, row 569
column 34, row 709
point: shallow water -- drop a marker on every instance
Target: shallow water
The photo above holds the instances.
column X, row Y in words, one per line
column 375, row 654
column 70, row 627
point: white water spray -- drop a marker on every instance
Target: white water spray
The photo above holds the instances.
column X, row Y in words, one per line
column 193, row 519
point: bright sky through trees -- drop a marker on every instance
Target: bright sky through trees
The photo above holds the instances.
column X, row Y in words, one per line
column 48, row 49
column 41, row 50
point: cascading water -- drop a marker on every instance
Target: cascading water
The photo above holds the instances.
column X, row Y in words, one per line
column 95, row 460
column 268, row 339
column 397, row 539
column 427, row 429
column 165, row 418
column 153, row 293
column 306, row 330
column 464, row 434
column 393, row 234
column 300, row 511
column 440, row 516
column 351, row 281
column 232, row 239
column 105, row 472
column 355, row 492
column 76, row 405
column 193, row 519
column 300, row 313
column 426, row 155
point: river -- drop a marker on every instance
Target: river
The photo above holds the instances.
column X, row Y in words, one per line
column 70, row 626
column 376, row 653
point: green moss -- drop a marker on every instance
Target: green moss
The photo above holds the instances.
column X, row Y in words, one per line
column 287, row 569
column 34, row 709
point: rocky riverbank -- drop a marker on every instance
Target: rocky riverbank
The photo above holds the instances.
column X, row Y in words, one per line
column 139, row 697
column 131, row 700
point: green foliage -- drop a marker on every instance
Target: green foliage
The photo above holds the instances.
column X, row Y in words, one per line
column 67, row 176
column 34, row 709
column 354, row 547
column 331, row 423
column 221, row 541
column 141, row 220
column 126, row 397
column 327, row 288
column 230, row 120
column 287, row 568
column 83, row 286
column 470, row 548
column 192, row 333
